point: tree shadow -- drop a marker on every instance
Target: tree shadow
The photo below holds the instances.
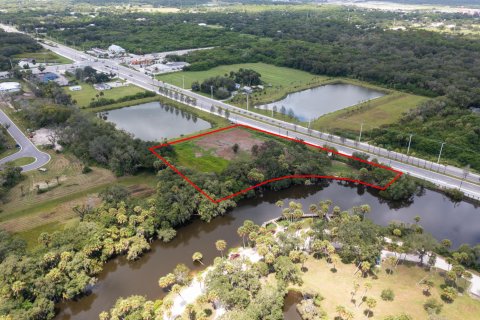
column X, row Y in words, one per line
column 368, row 313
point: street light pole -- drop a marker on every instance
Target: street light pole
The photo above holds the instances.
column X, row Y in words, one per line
column 361, row 129
column 247, row 101
column 211, row 92
column 183, row 82
column 440, row 154
column 409, row 142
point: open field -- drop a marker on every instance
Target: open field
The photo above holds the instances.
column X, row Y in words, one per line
column 27, row 208
column 85, row 96
column 381, row 111
column 212, row 153
column 44, row 56
column 336, row 288
column 282, row 80
column 63, row 178
column 375, row 113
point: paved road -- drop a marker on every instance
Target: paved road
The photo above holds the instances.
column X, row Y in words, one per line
column 27, row 148
column 443, row 176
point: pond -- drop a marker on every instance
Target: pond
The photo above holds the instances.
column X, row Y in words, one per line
column 458, row 222
column 154, row 121
column 312, row 103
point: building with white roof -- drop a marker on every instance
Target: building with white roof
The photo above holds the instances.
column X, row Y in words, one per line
column 116, row 50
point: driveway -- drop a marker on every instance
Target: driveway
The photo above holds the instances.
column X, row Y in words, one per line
column 27, row 148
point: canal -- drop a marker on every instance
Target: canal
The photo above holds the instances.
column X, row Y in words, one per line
column 458, row 222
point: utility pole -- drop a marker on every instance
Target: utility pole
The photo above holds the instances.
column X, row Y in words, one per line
column 465, row 174
column 183, row 82
column 247, row 101
column 440, row 154
column 211, row 92
column 409, row 142
column 360, row 135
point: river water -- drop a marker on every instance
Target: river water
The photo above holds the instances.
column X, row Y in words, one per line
column 458, row 222
column 312, row 103
column 154, row 121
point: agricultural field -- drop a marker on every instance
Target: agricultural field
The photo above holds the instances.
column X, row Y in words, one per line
column 88, row 93
column 44, row 56
column 336, row 288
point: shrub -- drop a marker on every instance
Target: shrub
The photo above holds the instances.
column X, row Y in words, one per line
column 449, row 294
column 433, row 306
column 387, row 295
column 86, row 169
column 454, row 194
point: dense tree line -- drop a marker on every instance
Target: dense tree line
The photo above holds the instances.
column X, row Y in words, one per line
column 223, row 86
column 12, row 44
column 9, row 177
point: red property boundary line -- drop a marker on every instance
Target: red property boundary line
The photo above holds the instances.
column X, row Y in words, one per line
column 305, row 176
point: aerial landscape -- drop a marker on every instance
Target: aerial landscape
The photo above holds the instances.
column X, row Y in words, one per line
column 239, row 159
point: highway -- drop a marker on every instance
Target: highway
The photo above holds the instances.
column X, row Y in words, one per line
column 440, row 175
column 27, row 148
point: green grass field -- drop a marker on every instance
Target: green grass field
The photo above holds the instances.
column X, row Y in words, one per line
column 44, row 56
column 22, row 161
column 187, row 155
column 385, row 110
column 84, row 96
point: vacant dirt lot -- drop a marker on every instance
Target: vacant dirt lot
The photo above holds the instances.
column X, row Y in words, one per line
column 221, row 143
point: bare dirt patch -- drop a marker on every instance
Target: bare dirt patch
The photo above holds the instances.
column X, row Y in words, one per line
column 222, row 142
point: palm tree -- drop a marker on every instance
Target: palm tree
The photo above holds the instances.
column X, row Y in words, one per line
column 176, row 288
column 417, row 219
column 367, row 286
column 364, row 209
column 341, row 310
column 335, row 260
column 371, row 303
column 166, row 281
column 242, row 232
column 365, row 267
column 356, row 286
column 428, row 285
column 221, row 245
column 197, row 257
column 18, row 287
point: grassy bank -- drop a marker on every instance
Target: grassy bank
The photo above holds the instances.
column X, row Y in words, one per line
column 22, row 161
column 373, row 114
